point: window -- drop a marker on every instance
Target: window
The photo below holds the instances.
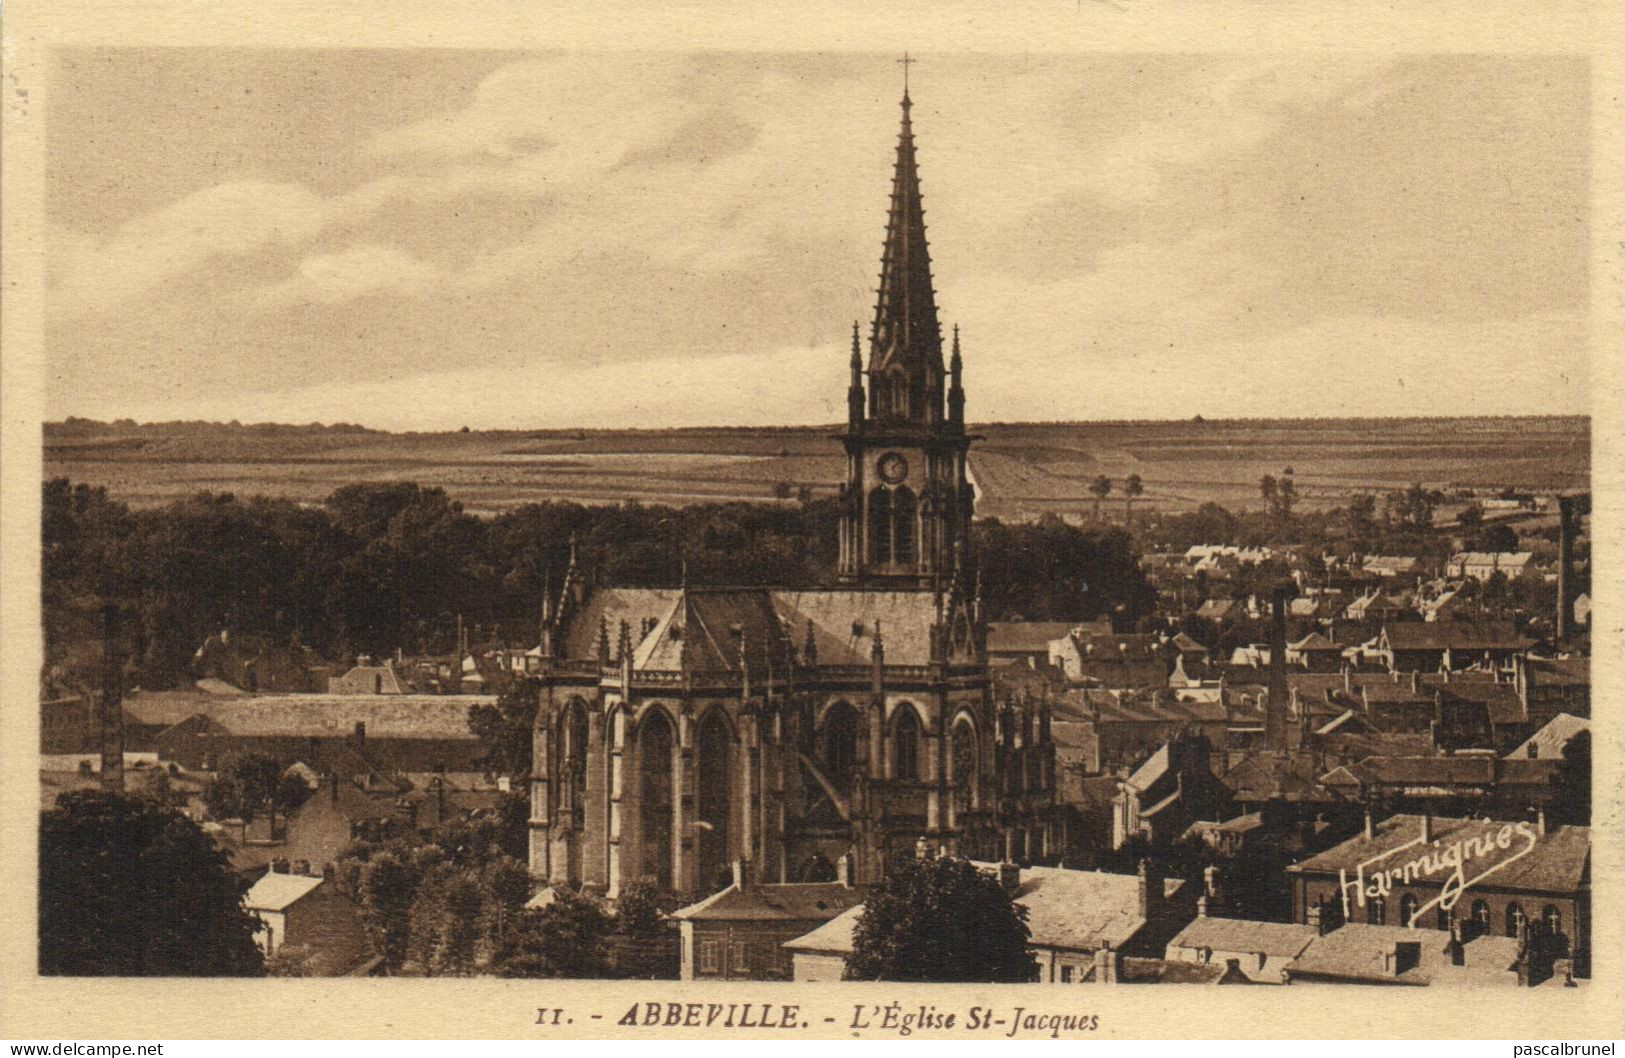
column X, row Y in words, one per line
column 1515, row 919
column 1376, row 912
column 1441, row 918
column 1066, row 975
column 903, row 528
column 1552, row 919
column 880, row 527
column 906, row 744
column 710, row 956
column 1407, row 909
column 1481, row 916
column 841, row 743
column 739, row 958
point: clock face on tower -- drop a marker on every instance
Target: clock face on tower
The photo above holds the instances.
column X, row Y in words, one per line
column 893, row 468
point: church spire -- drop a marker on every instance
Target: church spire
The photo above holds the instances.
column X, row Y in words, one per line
column 956, row 387
column 905, row 356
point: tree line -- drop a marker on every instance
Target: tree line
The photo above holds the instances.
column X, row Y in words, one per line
column 376, row 567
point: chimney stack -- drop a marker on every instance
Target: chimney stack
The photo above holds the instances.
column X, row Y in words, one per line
column 1151, row 888
column 1010, row 877
column 1427, row 826
column 742, row 878
column 1108, row 965
column 1275, row 718
column 843, row 870
column 1565, row 563
column 1370, row 822
column 112, row 704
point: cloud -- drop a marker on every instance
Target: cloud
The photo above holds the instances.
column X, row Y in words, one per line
column 334, row 278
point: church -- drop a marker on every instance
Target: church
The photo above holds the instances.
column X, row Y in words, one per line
column 679, row 730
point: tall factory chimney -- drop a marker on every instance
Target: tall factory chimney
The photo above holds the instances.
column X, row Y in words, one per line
column 1566, row 518
column 112, row 703
column 1275, row 716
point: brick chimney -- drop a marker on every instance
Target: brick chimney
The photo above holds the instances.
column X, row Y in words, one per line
column 1151, row 888
column 1370, row 822
column 1108, row 965
column 1275, row 719
column 1010, row 877
column 742, row 875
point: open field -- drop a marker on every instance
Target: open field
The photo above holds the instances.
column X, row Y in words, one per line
column 1021, row 470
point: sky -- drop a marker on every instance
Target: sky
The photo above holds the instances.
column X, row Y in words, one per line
column 422, row 240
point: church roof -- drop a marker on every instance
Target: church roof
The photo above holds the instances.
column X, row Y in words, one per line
column 714, row 631
column 614, row 605
column 844, row 623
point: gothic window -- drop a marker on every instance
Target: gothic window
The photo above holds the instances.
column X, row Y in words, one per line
column 1552, row 919
column 1407, row 908
column 965, row 765
column 1515, row 919
column 1376, row 912
column 880, row 527
column 906, row 744
column 840, row 744
column 655, row 804
column 715, row 743
column 573, row 746
column 904, row 530
column 1481, row 916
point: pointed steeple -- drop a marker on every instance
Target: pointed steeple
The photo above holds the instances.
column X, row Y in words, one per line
column 956, row 388
column 854, row 389
column 905, row 345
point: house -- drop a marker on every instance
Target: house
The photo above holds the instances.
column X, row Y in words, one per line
column 1129, row 726
column 1523, row 879
column 1216, row 609
column 1377, row 606
column 1028, row 642
column 1358, row 953
column 1071, row 915
column 1551, row 740
column 1409, row 646
column 1166, row 794
column 1391, row 566
column 1117, row 661
column 1260, row 950
column 367, row 678
column 1482, row 565
column 1549, row 687
column 307, row 912
column 404, row 732
column 1316, row 653
column 1452, row 783
column 739, row 933
column 69, row 724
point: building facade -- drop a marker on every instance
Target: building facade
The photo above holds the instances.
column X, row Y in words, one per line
column 681, row 730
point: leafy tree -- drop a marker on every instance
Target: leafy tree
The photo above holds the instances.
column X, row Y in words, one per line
column 940, row 920
column 1493, row 538
column 1100, row 488
column 1133, row 488
column 506, row 729
column 1470, row 516
column 1573, row 802
column 248, row 784
column 130, row 888
column 1267, row 488
column 640, row 910
column 563, row 939
column 386, row 887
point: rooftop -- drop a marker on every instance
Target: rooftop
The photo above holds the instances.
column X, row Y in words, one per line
column 797, row 902
column 1362, row 953
column 1281, row 939
column 277, row 892
column 1557, row 862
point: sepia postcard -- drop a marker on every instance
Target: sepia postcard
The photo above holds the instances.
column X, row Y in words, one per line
column 799, row 522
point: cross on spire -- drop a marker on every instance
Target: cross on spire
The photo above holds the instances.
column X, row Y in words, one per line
column 905, row 62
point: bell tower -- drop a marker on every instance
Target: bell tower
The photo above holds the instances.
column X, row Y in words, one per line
column 907, row 498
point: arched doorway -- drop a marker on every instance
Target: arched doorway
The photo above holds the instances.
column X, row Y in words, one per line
column 715, row 759
column 655, row 743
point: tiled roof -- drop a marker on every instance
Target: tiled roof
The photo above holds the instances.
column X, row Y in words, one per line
column 1025, row 637
column 1551, row 739
column 833, row 937
column 1314, row 641
column 703, row 631
column 844, row 624
column 613, row 605
column 1081, row 910
column 1560, row 672
column 404, row 716
column 277, row 892
column 1458, row 770
column 1558, row 863
column 1285, row 939
column 799, row 902
column 1357, row 952
column 1268, row 776
column 1454, row 635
